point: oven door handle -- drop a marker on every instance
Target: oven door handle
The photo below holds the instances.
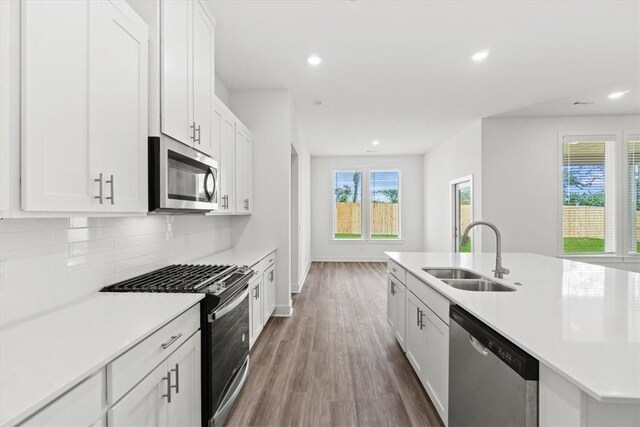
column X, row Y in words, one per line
column 227, row 308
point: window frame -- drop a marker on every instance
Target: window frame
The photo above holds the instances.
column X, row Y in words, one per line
column 366, row 204
column 627, row 136
column 620, row 227
column 452, row 212
column 335, row 170
column 369, row 172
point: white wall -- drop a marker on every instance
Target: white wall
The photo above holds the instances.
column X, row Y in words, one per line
column 520, row 182
column 304, row 203
column 222, row 91
column 268, row 113
column 324, row 248
column 47, row 263
column 460, row 156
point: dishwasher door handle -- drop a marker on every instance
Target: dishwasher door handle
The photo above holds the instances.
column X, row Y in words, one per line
column 479, row 347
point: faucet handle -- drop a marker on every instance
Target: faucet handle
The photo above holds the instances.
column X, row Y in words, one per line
column 506, row 270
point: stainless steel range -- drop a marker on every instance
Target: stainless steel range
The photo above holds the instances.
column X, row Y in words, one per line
column 224, row 314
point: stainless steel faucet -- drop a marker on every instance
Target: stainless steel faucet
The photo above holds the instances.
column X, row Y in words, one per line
column 500, row 271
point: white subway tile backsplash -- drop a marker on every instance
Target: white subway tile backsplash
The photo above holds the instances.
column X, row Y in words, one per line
column 51, row 262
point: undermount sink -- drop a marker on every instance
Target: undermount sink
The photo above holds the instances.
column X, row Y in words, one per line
column 451, row 273
column 477, row 285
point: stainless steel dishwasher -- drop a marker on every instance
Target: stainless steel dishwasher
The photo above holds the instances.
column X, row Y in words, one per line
column 492, row 382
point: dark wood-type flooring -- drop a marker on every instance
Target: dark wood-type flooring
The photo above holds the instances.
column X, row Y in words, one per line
column 335, row 361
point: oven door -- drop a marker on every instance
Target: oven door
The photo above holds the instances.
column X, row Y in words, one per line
column 181, row 178
column 228, row 329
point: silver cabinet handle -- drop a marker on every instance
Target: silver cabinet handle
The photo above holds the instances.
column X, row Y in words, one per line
column 479, row 347
column 393, row 269
column 417, row 316
column 421, row 319
column 393, row 288
column 192, row 126
column 110, row 181
column 226, row 201
column 99, row 196
column 173, row 339
column 271, row 276
column 198, row 137
column 176, row 386
column 168, row 380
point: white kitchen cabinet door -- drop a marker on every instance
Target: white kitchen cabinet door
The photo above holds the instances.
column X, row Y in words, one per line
column 392, row 306
column 176, row 75
column 255, row 307
column 203, row 79
column 184, row 367
column 58, row 161
column 244, row 170
column 248, row 172
column 146, row 404
column 415, row 343
column 399, row 298
column 84, row 103
column 269, row 297
column 227, row 163
column 118, row 104
column 436, row 362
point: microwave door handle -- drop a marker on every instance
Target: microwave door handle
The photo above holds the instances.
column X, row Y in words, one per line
column 227, row 308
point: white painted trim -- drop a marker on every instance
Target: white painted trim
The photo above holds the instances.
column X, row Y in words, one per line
column 334, row 258
column 282, row 311
column 297, row 288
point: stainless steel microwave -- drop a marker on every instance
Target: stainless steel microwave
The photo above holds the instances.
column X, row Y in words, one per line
column 181, row 178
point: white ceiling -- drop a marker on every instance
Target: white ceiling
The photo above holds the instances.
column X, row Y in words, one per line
column 400, row 71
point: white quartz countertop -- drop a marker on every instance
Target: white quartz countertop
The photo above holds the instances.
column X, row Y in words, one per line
column 581, row 320
column 43, row 358
column 248, row 257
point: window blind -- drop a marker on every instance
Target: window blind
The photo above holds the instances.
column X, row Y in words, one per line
column 588, row 194
column 633, row 193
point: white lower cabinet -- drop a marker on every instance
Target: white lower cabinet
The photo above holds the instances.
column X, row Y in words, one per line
column 269, row 298
column 168, row 396
column 427, row 348
column 81, row 406
column 396, row 292
column 262, row 295
column 256, row 296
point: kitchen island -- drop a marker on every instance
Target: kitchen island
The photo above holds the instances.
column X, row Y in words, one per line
column 581, row 321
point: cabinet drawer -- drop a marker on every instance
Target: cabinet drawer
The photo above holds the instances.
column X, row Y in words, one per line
column 395, row 269
column 431, row 298
column 262, row 265
column 81, row 406
column 128, row 369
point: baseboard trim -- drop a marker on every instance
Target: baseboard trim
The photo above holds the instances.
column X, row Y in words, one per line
column 282, row 311
column 381, row 258
column 296, row 289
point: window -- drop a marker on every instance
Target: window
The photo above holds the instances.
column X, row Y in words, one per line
column 633, row 194
column 384, row 194
column 377, row 216
column 347, row 190
column 588, row 195
column 462, row 212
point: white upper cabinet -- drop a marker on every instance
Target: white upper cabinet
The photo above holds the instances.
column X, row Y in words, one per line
column 244, row 170
column 118, row 105
column 176, row 70
column 187, row 74
column 224, row 143
column 84, row 107
column 203, row 79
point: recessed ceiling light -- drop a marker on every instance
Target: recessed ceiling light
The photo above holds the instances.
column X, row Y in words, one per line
column 480, row 56
column 375, row 142
column 616, row 95
column 314, row 60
